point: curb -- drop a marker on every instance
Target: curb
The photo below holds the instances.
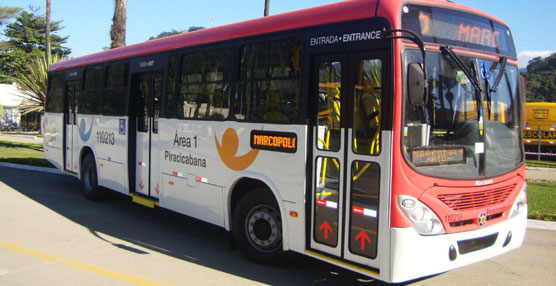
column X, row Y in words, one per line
column 540, row 169
column 531, row 223
column 31, row 168
column 541, row 224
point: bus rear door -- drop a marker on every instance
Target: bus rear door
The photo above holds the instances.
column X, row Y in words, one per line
column 71, row 150
column 147, row 88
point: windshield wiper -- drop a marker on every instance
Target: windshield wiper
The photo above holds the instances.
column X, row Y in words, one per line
column 473, row 79
column 457, row 61
column 488, row 89
column 501, row 72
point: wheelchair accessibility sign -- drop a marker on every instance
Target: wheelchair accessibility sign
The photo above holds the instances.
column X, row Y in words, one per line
column 122, row 126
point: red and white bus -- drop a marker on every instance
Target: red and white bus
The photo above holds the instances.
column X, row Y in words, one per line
column 384, row 137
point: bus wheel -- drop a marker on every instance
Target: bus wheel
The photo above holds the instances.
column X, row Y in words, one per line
column 89, row 180
column 257, row 227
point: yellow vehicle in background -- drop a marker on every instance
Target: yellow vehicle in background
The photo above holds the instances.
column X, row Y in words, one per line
column 540, row 127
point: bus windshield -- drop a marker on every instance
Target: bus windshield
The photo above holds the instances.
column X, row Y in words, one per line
column 446, row 137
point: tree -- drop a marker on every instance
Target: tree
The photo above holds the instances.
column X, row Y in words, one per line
column 266, row 7
column 26, row 40
column 117, row 31
column 176, row 32
column 194, row 28
column 167, row 33
column 47, row 52
column 540, row 79
column 7, row 13
column 33, row 83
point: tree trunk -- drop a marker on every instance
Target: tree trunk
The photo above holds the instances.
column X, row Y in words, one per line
column 266, row 7
column 47, row 52
column 117, row 31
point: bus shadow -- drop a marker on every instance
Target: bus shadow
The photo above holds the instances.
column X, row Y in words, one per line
column 166, row 232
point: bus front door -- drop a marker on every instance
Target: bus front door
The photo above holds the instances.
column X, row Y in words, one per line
column 147, row 88
column 70, row 118
column 350, row 156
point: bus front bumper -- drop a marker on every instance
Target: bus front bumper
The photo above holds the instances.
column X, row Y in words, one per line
column 415, row 255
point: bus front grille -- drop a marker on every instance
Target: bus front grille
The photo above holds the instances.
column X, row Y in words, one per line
column 478, row 199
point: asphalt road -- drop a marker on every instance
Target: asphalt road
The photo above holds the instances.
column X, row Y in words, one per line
column 51, row 235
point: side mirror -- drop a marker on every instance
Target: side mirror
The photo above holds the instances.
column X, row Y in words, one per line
column 416, row 85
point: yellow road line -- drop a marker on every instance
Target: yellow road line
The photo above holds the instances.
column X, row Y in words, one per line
column 79, row 265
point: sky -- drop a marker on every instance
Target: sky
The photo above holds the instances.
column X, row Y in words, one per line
column 87, row 23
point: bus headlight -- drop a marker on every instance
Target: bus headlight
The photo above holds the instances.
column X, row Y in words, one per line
column 424, row 220
column 520, row 203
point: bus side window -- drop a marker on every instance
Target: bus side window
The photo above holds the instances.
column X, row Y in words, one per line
column 204, row 85
column 268, row 88
column 169, row 103
column 91, row 97
column 55, row 97
column 114, row 97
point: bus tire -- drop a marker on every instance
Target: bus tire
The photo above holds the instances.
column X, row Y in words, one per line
column 89, row 179
column 257, row 227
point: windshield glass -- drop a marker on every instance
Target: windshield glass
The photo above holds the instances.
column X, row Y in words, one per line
column 446, row 137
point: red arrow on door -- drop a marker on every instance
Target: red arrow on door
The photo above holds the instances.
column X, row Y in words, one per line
column 326, row 228
column 141, row 185
column 363, row 237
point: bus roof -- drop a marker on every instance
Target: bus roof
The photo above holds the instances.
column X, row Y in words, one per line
column 331, row 13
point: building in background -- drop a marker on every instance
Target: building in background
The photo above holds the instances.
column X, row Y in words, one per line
column 11, row 118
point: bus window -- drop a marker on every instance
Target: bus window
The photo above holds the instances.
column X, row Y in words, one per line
column 91, row 97
column 368, row 91
column 364, row 195
column 269, row 82
column 114, row 98
column 204, row 85
column 330, row 92
column 143, row 103
column 169, row 105
column 55, row 97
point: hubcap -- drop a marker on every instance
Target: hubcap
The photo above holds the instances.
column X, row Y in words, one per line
column 264, row 228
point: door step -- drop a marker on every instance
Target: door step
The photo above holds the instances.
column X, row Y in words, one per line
column 144, row 200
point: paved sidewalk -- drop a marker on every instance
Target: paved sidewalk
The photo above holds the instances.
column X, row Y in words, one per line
column 548, row 174
column 21, row 137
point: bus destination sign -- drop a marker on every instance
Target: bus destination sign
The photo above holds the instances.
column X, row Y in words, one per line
column 274, row 141
column 437, row 156
column 450, row 27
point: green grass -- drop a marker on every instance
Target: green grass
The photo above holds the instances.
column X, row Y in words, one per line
column 23, row 153
column 541, row 199
column 543, row 164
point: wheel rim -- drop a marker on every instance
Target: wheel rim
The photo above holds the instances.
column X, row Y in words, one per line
column 264, row 228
